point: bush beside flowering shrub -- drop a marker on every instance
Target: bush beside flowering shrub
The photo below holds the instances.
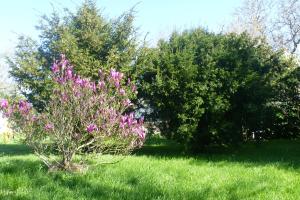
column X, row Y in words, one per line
column 82, row 116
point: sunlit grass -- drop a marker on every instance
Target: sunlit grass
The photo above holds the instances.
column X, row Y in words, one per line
column 161, row 171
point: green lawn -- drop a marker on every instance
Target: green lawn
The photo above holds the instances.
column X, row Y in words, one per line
column 160, row 171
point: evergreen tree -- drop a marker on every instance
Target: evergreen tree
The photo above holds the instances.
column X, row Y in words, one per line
column 88, row 40
column 206, row 88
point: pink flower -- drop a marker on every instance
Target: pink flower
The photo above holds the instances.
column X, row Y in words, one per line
column 85, row 83
column 69, row 73
column 64, row 62
column 4, row 104
column 62, row 56
column 133, row 88
column 77, row 94
column 91, row 128
column 61, row 80
column 140, row 132
column 130, row 119
column 93, row 86
column 122, row 125
column 141, row 120
column 114, row 74
column 49, row 127
column 123, row 121
column 78, row 80
column 24, row 107
column 127, row 103
column 9, row 112
column 55, row 68
column 129, row 81
column 34, row 118
column 101, row 84
column 122, row 92
column 124, row 118
column 116, row 77
column 64, row 97
column 117, row 83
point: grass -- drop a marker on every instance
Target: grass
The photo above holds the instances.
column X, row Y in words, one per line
column 160, row 171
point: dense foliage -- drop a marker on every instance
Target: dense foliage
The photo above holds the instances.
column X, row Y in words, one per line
column 89, row 40
column 286, row 103
column 201, row 88
column 204, row 88
column 82, row 116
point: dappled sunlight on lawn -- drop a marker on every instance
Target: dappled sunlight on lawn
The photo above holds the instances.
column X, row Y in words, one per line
column 160, row 171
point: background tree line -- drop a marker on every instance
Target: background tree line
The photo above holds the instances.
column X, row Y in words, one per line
column 199, row 87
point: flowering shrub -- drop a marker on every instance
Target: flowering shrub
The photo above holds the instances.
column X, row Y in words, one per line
column 82, row 116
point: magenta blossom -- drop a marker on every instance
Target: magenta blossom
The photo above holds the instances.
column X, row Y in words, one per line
column 93, row 86
column 64, row 97
column 96, row 111
column 24, row 107
column 55, row 68
column 78, row 80
column 117, row 83
column 140, row 132
column 128, row 81
column 34, row 118
column 114, row 74
column 131, row 120
column 127, row 103
column 101, row 84
column 61, row 80
column 77, row 94
column 123, row 121
column 133, row 88
column 85, row 83
column 69, row 73
column 122, row 92
column 91, row 128
column 4, row 104
column 116, row 77
column 49, row 127
column 9, row 112
column 64, row 62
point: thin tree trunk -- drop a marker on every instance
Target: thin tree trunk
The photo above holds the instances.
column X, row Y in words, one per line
column 67, row 159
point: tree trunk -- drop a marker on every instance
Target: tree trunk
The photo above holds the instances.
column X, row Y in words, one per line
column 66, row 162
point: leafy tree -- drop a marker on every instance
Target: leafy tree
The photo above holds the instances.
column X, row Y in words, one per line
column 212, row 89
column 82, row 116
column 286, row 104
column 89, row 41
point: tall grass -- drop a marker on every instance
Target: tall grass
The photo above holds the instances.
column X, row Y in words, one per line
column 160, row 171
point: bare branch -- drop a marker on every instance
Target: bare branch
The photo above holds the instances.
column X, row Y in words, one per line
column 278, row 21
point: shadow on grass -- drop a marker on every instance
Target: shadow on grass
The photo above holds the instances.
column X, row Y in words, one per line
column 283, row 153
column 19, row 166
column 61, row 185
column 14, row 149
column 117, row 185
column 159, row 147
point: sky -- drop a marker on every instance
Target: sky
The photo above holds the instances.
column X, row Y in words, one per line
column 158, row 18
column 154, row 18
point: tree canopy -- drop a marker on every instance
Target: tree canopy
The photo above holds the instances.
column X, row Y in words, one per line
column 89, row 40
column 210, row 88
column 202, row 88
